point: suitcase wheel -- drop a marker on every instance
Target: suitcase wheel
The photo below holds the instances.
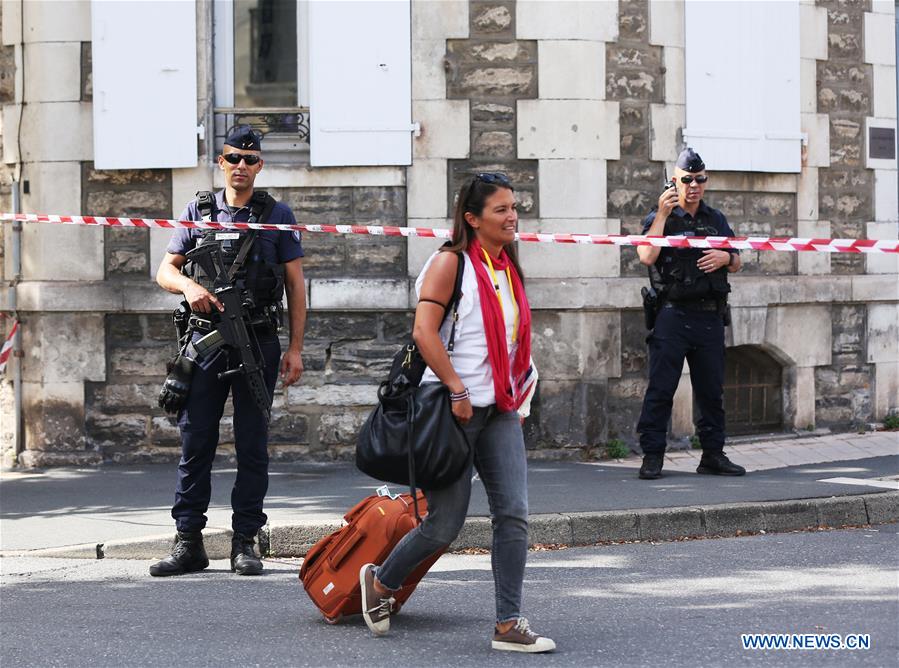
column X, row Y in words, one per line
column 333, row 620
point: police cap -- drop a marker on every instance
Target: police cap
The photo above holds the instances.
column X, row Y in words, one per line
column 689, row 161
column 245, row 137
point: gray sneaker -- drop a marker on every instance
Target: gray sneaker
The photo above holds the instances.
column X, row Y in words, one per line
column 375, row 608
column 520, row 638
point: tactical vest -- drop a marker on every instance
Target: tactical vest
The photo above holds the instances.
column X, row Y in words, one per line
column 675, row 275
column 263, row 280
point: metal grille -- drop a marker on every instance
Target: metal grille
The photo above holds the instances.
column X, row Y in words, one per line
column 753, row 391
column 287, row 127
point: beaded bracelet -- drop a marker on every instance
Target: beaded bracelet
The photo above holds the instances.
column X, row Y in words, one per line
column 460, row 396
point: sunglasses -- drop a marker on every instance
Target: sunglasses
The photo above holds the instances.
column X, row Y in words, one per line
column 687, row 179
column 497, row 178
column 235, row 158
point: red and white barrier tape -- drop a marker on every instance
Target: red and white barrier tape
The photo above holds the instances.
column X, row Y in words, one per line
column 738, row 243
column 6, row 350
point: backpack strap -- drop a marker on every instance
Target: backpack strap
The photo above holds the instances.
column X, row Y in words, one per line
column 261, row 206
column 454, row 303
column 206, row 205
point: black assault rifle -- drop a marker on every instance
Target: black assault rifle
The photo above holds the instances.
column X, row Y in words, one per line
column 230, row 326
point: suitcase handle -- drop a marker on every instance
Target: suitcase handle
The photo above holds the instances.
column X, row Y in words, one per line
column 316, row 551
column 344, row 550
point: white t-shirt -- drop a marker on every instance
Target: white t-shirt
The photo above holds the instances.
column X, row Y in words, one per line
column 469, row 357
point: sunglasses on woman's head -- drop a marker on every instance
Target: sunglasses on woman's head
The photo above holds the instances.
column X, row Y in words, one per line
column 497, row 178
column 235, row 158
column 687, row 179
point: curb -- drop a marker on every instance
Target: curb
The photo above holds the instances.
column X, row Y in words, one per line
column 584, row 528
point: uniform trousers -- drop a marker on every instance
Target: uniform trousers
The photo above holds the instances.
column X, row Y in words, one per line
column 199, row 424
column 698, row 336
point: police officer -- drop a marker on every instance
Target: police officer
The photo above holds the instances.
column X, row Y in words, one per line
column 272, row 266
column 691, row 288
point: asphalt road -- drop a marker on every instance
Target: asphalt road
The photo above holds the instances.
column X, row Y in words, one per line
column 672, row 604
column 71, row 506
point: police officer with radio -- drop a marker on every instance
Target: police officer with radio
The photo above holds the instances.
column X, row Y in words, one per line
column 263, row 264
column 688, row 303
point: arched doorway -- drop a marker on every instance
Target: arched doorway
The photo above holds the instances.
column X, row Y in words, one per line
column 753, row 391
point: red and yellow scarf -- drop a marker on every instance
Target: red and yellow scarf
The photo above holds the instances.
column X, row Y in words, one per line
column 509, row 394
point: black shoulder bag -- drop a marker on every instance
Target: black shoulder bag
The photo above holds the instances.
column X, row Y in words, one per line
column 412, row 436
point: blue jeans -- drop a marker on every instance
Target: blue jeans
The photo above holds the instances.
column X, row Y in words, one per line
column 501, row 463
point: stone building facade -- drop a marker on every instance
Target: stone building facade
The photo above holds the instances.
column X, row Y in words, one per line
column 583, row 105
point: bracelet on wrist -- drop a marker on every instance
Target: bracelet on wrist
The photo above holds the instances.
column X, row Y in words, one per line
column 460, row 396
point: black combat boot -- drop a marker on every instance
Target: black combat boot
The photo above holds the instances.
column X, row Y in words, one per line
column 717, row 463
column 243, row 557
column 652, row 467
column 188, row 555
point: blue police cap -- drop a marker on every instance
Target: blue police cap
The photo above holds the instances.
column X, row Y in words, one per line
column 689, row 161
column 245, row 137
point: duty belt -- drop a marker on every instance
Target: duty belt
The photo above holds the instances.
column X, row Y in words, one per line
column 695, row 304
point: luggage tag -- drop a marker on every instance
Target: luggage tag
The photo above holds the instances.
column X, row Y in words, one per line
column 384, row 490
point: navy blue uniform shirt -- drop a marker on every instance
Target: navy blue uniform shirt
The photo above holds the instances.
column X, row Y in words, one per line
column 708, row 215
column 275, row 246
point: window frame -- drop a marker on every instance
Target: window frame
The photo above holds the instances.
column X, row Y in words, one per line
column 290, row 149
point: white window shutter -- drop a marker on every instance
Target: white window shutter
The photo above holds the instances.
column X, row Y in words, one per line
column 145, row 84
column 742, row 80
column 360, row 79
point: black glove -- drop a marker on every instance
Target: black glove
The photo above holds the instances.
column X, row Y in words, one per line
column 173, row 394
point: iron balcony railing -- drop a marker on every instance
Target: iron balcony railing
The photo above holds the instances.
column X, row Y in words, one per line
column 286, row 126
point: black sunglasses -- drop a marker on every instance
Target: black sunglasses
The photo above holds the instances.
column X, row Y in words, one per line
column 235, row 158
column 687, row 179
column 494, row 178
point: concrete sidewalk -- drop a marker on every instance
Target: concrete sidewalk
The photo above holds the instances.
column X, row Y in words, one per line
column 794, row 483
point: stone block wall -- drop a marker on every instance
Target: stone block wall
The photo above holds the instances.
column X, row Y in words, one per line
column 346, row 355
column 492, row 70
column 329, row 256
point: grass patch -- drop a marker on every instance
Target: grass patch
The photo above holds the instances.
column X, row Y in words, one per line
column 617, row 449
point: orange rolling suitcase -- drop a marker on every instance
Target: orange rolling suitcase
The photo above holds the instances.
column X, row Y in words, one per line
column 330, row 571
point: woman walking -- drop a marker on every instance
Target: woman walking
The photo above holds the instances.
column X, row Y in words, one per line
column 489, row 377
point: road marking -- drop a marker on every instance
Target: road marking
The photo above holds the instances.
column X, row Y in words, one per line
column 882, row 484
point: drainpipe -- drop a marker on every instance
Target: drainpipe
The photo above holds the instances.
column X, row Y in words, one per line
column 13, row 307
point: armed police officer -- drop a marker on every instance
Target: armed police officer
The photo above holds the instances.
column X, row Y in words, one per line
column 232, row 282
column 688, row 303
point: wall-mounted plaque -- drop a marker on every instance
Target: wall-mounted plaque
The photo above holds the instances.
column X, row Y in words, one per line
column 882, row 143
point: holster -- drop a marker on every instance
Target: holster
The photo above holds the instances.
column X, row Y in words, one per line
column 650, row 306
column 724, row 310
column 180, row 318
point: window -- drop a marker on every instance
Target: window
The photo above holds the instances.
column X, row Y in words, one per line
column 333, row 79
column 261, row 73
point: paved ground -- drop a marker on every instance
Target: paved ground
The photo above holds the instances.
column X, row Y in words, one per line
column 672, row 604
column 64, row 507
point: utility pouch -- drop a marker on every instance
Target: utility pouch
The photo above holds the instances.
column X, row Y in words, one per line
column 173, row 395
